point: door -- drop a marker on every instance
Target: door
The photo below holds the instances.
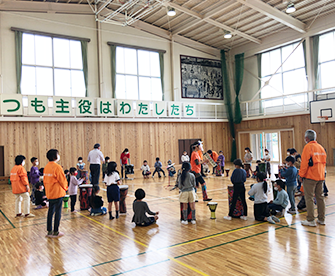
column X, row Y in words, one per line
column 2, row 161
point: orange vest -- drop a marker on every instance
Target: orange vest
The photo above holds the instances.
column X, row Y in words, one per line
column 201, row 156
column 54, row 180
column 319, row 156
column 19, row 179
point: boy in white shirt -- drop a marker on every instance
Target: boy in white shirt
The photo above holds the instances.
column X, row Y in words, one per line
column 145, row 169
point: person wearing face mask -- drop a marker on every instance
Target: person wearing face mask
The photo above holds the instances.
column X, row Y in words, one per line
column 20, row 187
column 124, row 160
column 34, row 176
column 95, row 157
column 80, row 167
column 56, row 186
column 73, row 187
column 312, row 173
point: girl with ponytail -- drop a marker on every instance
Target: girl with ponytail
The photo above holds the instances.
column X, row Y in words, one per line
column 186, row 185
column 260, row 191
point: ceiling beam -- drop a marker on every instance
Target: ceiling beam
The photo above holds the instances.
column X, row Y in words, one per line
column 275, row 14
column 210, row 21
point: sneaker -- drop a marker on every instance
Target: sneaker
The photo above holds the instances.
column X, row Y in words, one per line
column 184, row 222
column 19, row 216
column 275, row 219
column 293, row 212
column 33, row 203
column 193, row 221
column 243, row 217
column 152, row 176
column 308, row 223
column 227, row 217
column 280, row 214
column 208, row 199
column 326, row 194
column 75, row 211
column 270, row 220
column 196, row 200
column 49, row 234
column 58, row 234
column 322, row 222
column 29, row 216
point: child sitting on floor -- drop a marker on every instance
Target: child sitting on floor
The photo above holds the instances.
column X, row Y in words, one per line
column 97, row 202
column 145, row 169
column 260, row 192
column 281, row 201
column 170, row 168
column 40, row 197
column 140, row 209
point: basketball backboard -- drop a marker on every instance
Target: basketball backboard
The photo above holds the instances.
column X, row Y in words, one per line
column 322, row 108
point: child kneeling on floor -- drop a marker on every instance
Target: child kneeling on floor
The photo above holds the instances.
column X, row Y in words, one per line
column 97, row 202
column 40, row 197
column 186, row 185
column 260, row 191
column 281, row 201
column 140, row 209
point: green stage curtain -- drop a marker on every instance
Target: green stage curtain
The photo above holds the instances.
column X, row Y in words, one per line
column 239, row 69
column 18, row 60
column 113, row 63
column 228, row 103
column 161, row 66
column 85, row 67
column 315, row 60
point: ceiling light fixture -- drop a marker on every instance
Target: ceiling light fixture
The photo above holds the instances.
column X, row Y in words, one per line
column 290, row 8
column 171, row 12
column 227, row 35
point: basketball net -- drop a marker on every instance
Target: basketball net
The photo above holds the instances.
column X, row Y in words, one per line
column 322, row 120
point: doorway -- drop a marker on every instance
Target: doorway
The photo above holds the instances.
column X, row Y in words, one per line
column 2, row 161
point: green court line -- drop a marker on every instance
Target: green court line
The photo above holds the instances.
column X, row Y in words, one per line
column 139, row 267
column 318, row 234
column 7, row 219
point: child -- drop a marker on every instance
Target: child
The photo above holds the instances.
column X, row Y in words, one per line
column 260, row 191
column 186, row 185
column 20, row 187
column 55, row 189
column 145, row 169
column 170, row 168
column 104, row 167
column 40, row 198
column 247, row 161
column 257, row 169
column 73, row 187
column 238, row 178
column 34, row 176
column 221, row 161
column 158, row 168
column 140, row 209
column 290, row 174
column 67, row 176
column 80, row 167
column 112, row 180
column 267, row 159
column 185, row 157
column 97, row 202
column 281, row 201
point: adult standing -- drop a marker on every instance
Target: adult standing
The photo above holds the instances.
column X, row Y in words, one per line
column 55, row 189
column 124, row 160
column 312, row 171
column 95, row 157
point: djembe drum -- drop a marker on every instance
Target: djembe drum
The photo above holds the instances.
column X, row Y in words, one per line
column 212, row 207
column 227, row 172
column 262, row 167
column 84, row 196
column 123, row 195
column 238, row 211
column 129, row 169
column 66, row 201
column 85, row 175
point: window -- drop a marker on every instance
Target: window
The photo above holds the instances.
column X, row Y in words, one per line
column 327, row 60
column 137, row 74
column 290, row 78
column 51, row 66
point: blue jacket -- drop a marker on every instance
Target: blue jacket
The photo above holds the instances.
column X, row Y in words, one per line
column 290, row 174
column 239, row 176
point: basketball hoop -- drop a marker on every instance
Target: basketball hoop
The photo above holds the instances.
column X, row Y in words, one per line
column 322, row 120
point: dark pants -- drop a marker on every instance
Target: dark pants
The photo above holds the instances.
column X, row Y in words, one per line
column 239, row 191
column 55, row 206
column 261, row 211
column 158, row 170
column 123, row 168
column 73, row 201
column 274, row 207
column 95, row 172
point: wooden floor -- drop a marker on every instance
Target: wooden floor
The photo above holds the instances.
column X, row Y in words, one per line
column 98, row 246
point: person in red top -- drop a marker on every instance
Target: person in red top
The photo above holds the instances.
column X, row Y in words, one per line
column 20, row 187
column 124, row 160
column 196, row 170
column 312, row 172
column 55, row 184
column 214, row 155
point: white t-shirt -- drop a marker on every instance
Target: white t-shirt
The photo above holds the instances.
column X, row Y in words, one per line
column 145, row 168
column 185, row 158
column 258, row 192
column 267, row 157
column 112, row 179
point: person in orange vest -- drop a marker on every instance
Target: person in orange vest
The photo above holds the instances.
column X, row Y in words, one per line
column 312, row 173
column 55, row 184
column 20, row 187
